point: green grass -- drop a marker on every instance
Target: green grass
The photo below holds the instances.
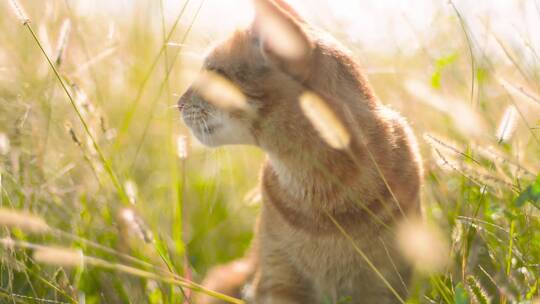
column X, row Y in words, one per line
column 70, row 157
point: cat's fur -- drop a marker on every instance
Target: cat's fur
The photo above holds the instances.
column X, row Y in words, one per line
column 298, row 254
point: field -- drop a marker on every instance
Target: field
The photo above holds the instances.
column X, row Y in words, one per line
column 105, row 197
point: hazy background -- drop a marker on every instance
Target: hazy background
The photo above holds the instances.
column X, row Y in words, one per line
column 384, row 25
column 466, row 76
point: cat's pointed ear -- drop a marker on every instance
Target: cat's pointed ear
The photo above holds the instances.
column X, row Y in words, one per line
column 286, row 7
column 283, row 36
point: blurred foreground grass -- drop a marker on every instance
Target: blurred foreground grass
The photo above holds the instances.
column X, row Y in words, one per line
column 477, row 117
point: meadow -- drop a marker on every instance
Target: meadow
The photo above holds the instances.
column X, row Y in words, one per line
column 106, row 198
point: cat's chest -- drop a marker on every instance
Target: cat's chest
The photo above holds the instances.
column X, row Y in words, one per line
column 331, row 264
column 330, row 261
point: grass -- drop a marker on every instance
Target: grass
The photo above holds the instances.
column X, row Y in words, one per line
column 75, row 132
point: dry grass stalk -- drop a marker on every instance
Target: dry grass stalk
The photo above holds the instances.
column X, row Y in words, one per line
column 174, row 280
column 496, row 157
column 25, row 221
column 323, row 119
column 512, row 88
column 481, row 175
column 437, row 142
column 474, row 174
column 57, row 256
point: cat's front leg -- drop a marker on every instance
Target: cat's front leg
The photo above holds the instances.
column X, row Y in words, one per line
column 277, row 282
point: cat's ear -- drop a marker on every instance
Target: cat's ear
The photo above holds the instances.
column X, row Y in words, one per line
column 283, row 36
column 286, row 7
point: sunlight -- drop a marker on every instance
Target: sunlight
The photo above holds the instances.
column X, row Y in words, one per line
column 104, row 182
column 404, row 26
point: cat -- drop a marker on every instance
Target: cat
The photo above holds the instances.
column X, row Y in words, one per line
column 325, row 233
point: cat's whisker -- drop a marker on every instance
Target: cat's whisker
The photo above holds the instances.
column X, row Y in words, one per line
column 211, row 114
column 205, row 125
column 205, row 129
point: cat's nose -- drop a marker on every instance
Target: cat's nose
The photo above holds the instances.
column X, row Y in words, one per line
column 184, row 100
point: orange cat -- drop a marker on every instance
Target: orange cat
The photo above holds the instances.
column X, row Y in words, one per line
column 325, row 232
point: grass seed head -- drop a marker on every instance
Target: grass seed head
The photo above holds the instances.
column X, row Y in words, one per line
column 4, row 144
column 131, row 191
column 43, row 35
column 63, row 40
column 182, row 147
column 220, row 92
column 19, row 12
column 7, row 243
column 82, row 101
column 520, row 91
column 325, row 121
column 507, row 125
column 22, row 220
column 477, row 291
column 69, row 128
column 423, row 245
column 135, row 225
column 57, row 256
